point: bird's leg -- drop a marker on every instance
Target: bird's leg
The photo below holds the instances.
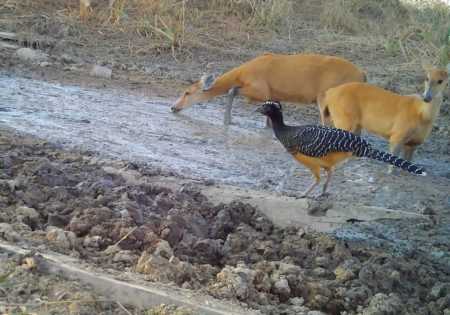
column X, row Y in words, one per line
column 329, row 175
column 316, row 171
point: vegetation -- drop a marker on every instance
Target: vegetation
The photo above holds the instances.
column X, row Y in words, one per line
column 5, row 285
column 400, row 27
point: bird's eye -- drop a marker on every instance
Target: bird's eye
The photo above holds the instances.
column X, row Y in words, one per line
column 440, row 82
column 186, row 94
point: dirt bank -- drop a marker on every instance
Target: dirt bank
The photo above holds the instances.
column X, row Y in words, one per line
column 74, row 204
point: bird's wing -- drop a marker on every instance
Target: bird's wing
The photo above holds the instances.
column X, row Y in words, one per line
column 318, row 141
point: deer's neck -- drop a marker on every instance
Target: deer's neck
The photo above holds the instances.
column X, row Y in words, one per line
column 431, row 110
column 223, row 84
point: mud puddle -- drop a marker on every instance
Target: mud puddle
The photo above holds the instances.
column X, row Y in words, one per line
column 196, row 145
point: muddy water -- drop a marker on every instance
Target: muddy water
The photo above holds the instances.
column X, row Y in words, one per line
column 196, row 144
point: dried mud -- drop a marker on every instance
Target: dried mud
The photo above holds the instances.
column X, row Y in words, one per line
column 75, row 204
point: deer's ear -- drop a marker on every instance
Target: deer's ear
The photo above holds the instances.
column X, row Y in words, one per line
column 426, row 64
column 207, row 81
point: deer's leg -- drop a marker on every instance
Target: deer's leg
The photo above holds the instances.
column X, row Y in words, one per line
column 408, row 151
column 358, row 131
column 407, row 154
column 395, row 150
column 256, row 93
column 397, row 143
column 231, row 94
column 323, row 110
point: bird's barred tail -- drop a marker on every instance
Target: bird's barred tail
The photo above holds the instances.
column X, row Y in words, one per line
column 394, row 160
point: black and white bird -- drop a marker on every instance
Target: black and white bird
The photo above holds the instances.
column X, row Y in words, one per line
column 319, row 147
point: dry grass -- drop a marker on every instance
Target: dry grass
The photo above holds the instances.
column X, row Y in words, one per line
column 400, row 28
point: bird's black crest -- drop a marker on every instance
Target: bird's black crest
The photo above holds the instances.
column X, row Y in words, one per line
column 275, row 104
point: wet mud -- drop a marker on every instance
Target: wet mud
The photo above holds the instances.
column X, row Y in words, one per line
column 196, row 145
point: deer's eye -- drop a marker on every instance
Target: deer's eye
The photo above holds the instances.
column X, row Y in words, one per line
column 186, row 94
column 440, row 82
column 427, row 79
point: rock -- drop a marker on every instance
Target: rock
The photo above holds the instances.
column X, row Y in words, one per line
column 11, row 160
column 261, row 281
column 437, row 291
column 112, row 249
column 296, row 301
column 93, row 242
column 57, row 235
column 425, row 210
column 135, row 214
column 287, row 269
column 72, row 238
column 57, row 220
column 167, row 270
column 125, row 256
column 65, row 58
column 280, row 287
column 196, row 225
column 172, row 233
column 222, row 225
column 163, row 249
column 13, row 184
column 322, row 261
column 5, row 227
column 41, row 248
column 100, row 71
column 234, row 244
column 381, row 304
column 12, row 236
column 238, row 282
column 27, row 212
column 75, row 308
column 45, row 64
column 162, row 204
column 151, row 264
column 142, row 199
column 348, row 270
column 79, row 227
column 4, row 217
column 359, row 293
column 443, row 303
column 30, row 54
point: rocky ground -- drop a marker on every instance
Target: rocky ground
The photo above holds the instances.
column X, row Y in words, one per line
column 72, row 203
